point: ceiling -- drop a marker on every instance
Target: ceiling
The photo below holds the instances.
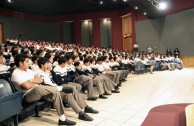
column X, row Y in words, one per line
column 62, row 7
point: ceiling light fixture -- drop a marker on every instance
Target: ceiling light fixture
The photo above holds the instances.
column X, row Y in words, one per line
column 136, row 8
column 101, row 2
column 124, row 0
column 9, row 1
column 162, row 6
column 145, row 13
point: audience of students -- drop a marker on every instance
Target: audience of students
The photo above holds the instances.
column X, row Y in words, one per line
column 47, row 70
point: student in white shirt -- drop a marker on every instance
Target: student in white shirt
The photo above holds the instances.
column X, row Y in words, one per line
column 74, row 99
column 61, row 70
column 3, row 68
column 35, row 66
column 26, row 80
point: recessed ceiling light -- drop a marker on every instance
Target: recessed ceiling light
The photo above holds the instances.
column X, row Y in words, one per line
column 101, row 2
column 145, row 13
column 114, row 0
column 162, row 6
column 124, row 0
column 136, row 8
column 9, row 1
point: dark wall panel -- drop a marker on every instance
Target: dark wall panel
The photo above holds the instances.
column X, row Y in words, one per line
column 106, row 32
column 173, row 31
column 86, row 33
column 68, row 32
column 30, row 29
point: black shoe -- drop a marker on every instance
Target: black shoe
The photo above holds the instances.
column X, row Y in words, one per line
column 115, row 91
column 123, row 80
column 107, row 93
column 90, row 110
column 66, row 122
column 102, row 97
column 116, row 87
column 66, row 105
column 93, row 98
column 85, row 117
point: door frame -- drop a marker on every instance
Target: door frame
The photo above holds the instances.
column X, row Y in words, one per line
column 129, row 31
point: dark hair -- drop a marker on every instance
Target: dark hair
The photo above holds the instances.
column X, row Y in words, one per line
column 35, row 57
column 81, row 58
column 14, row 53
column 62, row 60
column 91, row 60
column 1, row 53
column 42, row 61
column 56, row 58
column 77, row 63
column 19, row 58
column 99, row 59
column 47, row 55
column 86, row 60
column 68, row 57
column 104, row 58
column 115, row 58
column 110, row 58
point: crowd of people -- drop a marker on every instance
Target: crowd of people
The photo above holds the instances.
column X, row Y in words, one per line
column 59, row 72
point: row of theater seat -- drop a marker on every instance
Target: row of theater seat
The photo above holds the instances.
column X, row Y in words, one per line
column 11, row 105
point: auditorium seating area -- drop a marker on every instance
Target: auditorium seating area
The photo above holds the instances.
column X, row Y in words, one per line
column 131, row 110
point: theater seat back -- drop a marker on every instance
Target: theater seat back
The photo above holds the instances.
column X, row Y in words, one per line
column 5, row 88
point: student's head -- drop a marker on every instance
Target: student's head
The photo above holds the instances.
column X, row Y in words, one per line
column 99, row 60
column 62, row 61
column 77, row 65
column 105, row 58
column 35, row 59
column 86, row 62
column 21, row 61
column 115, row 59
column 111, row 59
column 14, row 53
column 1, row 58
column 92, row 61
column 43, row 63
column 69, row 59
column 76, row 59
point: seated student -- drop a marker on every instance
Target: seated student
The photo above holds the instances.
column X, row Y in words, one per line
column 178, row 62
column 119, row 74
column 35, row 66
column 74, row 99
column 116, row 67
column 109, row 74
column 147, row 65
column 61, row 70
column 164, row 64
column 3, row 68
column 109, row 85
column 80, row 79
column 27, row 81
column 96, row 81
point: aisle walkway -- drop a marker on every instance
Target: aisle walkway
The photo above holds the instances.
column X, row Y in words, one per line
column 138, row 95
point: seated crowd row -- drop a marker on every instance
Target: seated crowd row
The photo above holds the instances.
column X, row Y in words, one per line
column 59, row 72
